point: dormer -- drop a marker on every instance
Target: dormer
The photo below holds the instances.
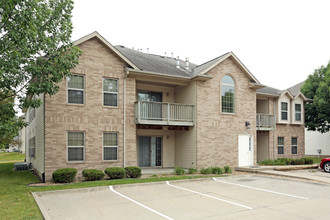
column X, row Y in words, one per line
column 297, row 106
column 284, row 108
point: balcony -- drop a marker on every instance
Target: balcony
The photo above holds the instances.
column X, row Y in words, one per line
column 161, row 113
column 265, row 122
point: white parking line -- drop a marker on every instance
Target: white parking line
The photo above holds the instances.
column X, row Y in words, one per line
column 140, row 204
column 212, row 197
column 264, row 190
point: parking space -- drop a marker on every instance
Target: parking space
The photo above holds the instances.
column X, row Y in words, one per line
column 248, row 196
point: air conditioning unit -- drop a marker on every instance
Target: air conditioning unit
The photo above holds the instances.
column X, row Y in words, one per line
column 22, row 166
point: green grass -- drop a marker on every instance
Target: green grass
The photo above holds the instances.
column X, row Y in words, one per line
column 17, row 202
column 11, row 157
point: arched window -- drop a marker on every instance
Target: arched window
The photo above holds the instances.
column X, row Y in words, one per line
column 227, row 95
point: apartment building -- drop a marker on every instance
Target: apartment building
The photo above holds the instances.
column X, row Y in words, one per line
column 122, row 107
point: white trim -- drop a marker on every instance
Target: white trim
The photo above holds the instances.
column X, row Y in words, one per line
column 75, row 89
column 140, row 204
column 263, row 190
column 212, row 197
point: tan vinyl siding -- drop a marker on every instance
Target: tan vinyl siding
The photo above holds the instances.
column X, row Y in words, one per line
column 185, row 141
column 36, row 129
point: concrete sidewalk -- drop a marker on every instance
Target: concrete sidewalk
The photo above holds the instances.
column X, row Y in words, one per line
column 304, row 172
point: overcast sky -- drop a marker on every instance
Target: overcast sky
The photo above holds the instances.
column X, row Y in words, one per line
column 280, row 42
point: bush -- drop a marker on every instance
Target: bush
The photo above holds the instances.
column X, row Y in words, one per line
column 308, row 160
column 179, row 171
column 287, row 161
column 191, row 170
column 92, row 174
column 115, row 172
column 217, row 170
column 133, row 172
column 206, row 171
column 64, row 175
column 227, row 169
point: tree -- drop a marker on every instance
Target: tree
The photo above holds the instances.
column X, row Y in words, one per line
column 36, row 51
column 317, row 88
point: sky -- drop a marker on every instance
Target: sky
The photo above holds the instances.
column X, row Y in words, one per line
column 280, row 42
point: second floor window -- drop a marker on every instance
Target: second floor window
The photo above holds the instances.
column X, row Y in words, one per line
column 76, row 89
column 110, row 92
column 284, row 111
column 227, row 95
column 297, row 112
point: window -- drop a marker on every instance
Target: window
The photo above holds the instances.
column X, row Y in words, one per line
column 76, row 143
column 110, row 146
column 32, row 114
column 110, row 92
column 280, row 145
column 294, row 144
column 227, row 95
column 284, row 111
column 32, row 147
column 76, row 89
column 297, row 108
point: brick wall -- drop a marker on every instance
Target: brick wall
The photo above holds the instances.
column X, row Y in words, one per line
column 288, row 131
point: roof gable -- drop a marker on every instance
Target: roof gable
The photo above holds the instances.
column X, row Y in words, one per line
column 204, row 68
column 106, row 43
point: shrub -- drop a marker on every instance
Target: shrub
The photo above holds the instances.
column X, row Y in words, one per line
column 179, row 171
column 133, row 172
column 227, row 169
column 64, row 175
column 92, row 174
column 206, row 171
column 191, row 170
column 308, row 160
column 115, row 172
column 217, row 170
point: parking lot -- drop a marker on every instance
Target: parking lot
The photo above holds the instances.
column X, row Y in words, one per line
column 243, row 196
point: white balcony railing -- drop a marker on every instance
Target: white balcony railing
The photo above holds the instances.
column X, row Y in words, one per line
column 265, row 122
column 161, row 113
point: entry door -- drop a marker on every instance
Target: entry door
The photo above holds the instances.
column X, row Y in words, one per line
column 150, row 151
column 245, row 150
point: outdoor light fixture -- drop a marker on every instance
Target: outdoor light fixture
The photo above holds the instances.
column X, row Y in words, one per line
column 247, row 125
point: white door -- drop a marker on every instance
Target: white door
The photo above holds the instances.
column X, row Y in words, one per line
column 245, row 150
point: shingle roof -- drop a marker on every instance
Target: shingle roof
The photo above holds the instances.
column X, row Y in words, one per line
column 295, row 90
column 200, row 68
column 155, row 63
column 269, row 91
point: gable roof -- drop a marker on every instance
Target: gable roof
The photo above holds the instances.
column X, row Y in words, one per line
column 106, row 43
column 269, row 91
column 205, row 67
column 155, row 63
column 295, row 91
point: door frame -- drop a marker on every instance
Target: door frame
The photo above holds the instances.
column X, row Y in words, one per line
column 251, row 150
column 162, row 150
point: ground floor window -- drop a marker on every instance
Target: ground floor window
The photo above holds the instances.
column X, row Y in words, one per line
column 32, row 147
column 280, row 145
column 294, row 145
column 110, row 146
column 76, row 145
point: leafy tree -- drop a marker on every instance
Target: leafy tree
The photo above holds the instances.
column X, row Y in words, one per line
column 317, row 88
column 36, row 52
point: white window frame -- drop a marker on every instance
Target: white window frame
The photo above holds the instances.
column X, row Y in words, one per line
column 287, row 107
column 297, row 112
column 103, row 146
column 106, row 78
column 234, row 88
column 292, row 145
column 280, row 145
column 75, row 89
column 67, row 148
column 32, row 114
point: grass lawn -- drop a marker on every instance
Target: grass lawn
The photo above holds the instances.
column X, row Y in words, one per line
column 11, row 157
column 17, row 202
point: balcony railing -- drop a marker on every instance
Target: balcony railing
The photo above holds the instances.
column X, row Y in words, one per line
column 265, row 122
column 161, row 113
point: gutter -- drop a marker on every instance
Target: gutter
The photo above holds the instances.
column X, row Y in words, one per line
column 124, row 141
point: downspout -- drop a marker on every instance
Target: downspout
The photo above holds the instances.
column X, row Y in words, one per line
column 124, row 153
column 274, row 132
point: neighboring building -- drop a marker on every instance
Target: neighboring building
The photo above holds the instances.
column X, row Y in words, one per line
column 123, row 107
